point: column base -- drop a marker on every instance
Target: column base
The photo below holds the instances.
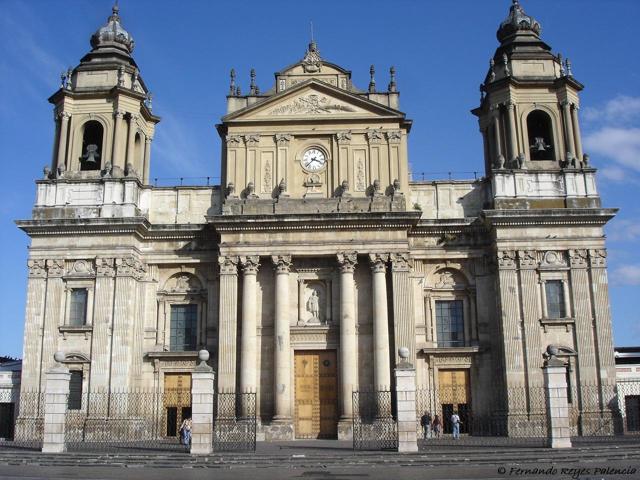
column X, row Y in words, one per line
column 280, row 429
column 345, row 429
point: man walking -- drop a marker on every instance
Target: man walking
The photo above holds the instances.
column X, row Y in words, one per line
column 455, row 424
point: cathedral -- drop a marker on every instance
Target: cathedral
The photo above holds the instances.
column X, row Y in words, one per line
column 318, row 259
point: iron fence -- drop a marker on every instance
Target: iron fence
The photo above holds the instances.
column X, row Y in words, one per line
column 448, row 417
column 374, row 423
column 234, row 422
column 118, row 421
column 22, row 422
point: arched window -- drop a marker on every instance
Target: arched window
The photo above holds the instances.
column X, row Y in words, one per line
column 541, row 144
column 91, row 146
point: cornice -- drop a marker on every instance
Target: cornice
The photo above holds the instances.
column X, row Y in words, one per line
column 313, row 222
column 551, row 216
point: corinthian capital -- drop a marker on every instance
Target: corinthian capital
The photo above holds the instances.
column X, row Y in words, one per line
column 228, row 265
column 400, row 262
column 250, row 264
column 282, row 263
column 130, row 267
column 55, row 267
column 105, row 267
column 578, row 258
column 378, row 262
column 506, row 259
column 598, row 258
column 347, row 261
column 527, row 259
column 37, row 268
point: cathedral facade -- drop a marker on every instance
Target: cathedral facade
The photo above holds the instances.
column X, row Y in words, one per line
column 318, row 258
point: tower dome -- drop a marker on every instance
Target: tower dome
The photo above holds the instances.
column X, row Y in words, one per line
column 517, row 21
column 113, row 34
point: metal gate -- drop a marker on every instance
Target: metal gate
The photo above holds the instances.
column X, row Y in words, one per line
column 374, row 425
column 234, row 422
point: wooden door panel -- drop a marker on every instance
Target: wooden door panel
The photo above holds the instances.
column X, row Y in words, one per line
column 316, row 394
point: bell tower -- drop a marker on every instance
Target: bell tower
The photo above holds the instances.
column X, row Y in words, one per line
column 529, row 102
column 104, row 123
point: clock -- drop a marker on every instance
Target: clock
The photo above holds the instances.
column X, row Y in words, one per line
column 314, row 160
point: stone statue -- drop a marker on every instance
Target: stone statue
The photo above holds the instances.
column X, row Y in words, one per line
column 107, row 169
column 282, row 187
column 313, row 306
column 231, row 188
column 46, row 171
column 376, row 188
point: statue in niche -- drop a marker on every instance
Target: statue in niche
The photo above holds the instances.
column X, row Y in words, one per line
column 313, row 306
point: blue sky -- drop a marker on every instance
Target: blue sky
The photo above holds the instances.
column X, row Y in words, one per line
column 440, row 49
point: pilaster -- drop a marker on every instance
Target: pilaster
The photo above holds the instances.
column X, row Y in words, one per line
column 531, row 317
column 403, row 319
column 510, row 318
column 603, row 334
column 228, row 323
column 128, row 271
column 102, row 326
column 34, row 318
column 54, row 311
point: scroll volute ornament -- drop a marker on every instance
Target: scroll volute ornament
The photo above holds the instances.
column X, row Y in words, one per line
column 228, row 265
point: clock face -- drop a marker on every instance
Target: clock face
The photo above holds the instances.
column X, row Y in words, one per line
column 313, row 160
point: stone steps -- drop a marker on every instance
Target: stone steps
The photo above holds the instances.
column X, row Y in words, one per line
column 231, row 460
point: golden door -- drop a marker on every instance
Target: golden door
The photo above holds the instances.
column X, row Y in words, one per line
column 454, row 394
column 176, row 400
column 316, row 406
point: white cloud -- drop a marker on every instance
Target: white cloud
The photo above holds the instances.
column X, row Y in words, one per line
column 626, row 275
column 619, row 110
column 622, row 145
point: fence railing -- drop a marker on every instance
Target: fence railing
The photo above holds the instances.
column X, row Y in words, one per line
column 374, row 423
column 234, row 422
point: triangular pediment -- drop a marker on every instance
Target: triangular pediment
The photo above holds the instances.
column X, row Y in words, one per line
column 313, row 99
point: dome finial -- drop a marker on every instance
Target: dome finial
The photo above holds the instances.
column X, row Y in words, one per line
column 113, row 34
column 517, row 21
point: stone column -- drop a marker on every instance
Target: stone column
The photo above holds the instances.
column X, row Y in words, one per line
column 131, row 135
column 555, row 382
column 281, row 347
column 147, row 160
column 403, row 319
column 513, row 139
column 101, row 335
column 498, row 138
column 53, row 313
column 227, row 324
column 202, row 398
column 406, row 404
column 248, row 342
column 382, row 370
column 55, row 407
column 568, row 128
column 577, row 135
column 116, row 153
column 348, row 342
column 62, row 142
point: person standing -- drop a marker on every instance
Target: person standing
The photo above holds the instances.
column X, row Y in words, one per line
column 185, row 432
column 436, row 426
column 455, row 424
column 425, row 422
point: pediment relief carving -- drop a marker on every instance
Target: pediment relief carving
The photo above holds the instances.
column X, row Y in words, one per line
column 183, row 282
column 313, row 104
